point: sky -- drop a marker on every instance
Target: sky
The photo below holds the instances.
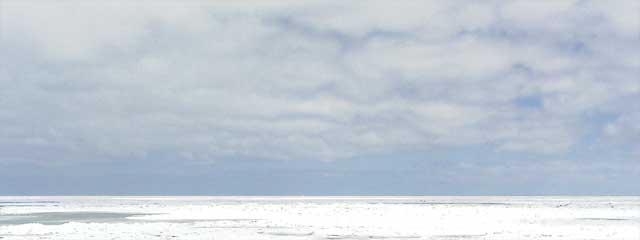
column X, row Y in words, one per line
column 319, row 97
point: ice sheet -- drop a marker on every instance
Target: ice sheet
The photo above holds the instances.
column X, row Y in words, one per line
column 231, row 218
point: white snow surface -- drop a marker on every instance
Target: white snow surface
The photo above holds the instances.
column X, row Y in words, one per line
column 229, row 218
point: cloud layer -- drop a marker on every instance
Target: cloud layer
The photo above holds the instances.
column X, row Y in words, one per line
column 197, row 81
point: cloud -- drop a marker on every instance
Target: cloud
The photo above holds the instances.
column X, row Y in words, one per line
column 326, row 81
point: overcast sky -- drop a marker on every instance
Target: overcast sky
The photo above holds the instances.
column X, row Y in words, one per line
column 320, row 97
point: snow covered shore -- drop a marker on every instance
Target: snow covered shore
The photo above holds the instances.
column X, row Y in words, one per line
column 229, row 218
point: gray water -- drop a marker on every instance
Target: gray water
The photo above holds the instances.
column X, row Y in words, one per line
column 57, row 218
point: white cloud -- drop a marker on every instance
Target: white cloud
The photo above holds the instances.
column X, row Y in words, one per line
column 317, row 81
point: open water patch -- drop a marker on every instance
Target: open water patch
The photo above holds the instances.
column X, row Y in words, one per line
column 58, row 218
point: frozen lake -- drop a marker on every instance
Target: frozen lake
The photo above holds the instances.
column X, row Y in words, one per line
column 229, row 218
